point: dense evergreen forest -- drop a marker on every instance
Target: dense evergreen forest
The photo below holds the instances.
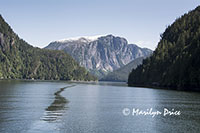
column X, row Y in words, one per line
column 176, row 61
column 19, row 60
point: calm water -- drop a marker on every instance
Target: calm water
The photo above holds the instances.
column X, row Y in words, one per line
column 28, row 106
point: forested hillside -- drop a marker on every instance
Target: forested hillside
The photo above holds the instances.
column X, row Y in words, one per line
column 19, row 60
column 176, row 61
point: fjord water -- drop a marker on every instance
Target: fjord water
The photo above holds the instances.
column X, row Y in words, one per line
column 33, row 106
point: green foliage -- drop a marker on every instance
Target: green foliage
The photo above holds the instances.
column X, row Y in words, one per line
column 176, row 62
column 19, row 60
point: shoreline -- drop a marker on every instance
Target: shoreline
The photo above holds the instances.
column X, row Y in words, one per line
column 166, row 88
column 105, row 83
column 42, row 80
column 112, row 83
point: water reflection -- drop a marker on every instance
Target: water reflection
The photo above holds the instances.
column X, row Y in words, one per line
column 57, row 108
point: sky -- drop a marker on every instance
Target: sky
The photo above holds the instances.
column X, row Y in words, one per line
column 141, row 22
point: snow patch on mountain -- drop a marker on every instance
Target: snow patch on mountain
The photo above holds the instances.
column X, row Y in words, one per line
column 81, row 38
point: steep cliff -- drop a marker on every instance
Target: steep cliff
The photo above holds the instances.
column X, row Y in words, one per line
column 100, row 54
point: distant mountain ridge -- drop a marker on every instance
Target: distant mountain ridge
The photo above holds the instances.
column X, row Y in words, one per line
column 122, row 73
column 100, row 54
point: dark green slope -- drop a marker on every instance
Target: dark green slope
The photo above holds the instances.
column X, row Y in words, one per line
column 176, row 61
column 19, row 60
column 122, row 73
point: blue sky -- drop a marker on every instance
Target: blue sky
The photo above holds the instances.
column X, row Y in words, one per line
column 139, row 21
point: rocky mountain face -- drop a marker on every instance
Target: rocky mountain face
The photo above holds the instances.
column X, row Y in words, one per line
column 100, row 54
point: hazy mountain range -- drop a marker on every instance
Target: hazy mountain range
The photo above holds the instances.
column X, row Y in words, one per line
column 122, row 73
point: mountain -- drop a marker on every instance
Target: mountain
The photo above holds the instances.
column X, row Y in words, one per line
column 19, row 60
column 176, row 61
column 100, row 54
column 122, row 73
